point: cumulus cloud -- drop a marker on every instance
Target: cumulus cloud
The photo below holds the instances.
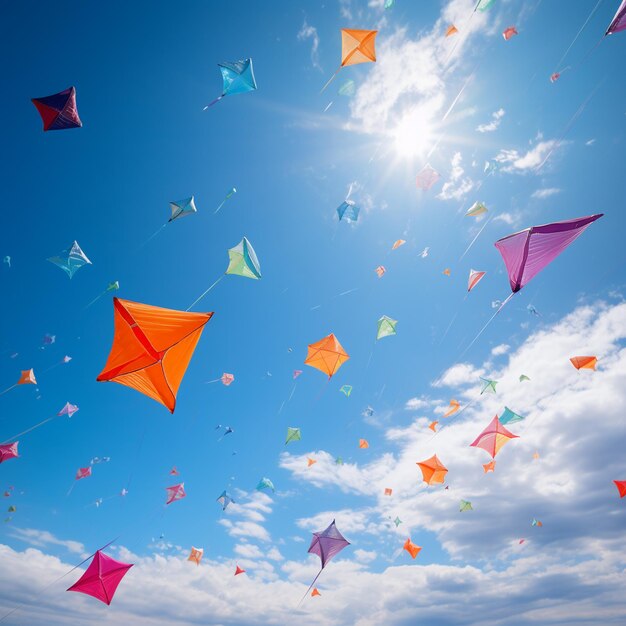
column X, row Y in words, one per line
column 457, row 185
column 45, row 539
column 310, row 32
column 513, row 161
column 493, row 124
column 500, row 349
column 540, row 194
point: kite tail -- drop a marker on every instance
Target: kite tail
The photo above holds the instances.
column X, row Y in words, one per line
column 8, row 389
column 310, row 586
column 330, row 80
column 214, row 102
column 205, row 293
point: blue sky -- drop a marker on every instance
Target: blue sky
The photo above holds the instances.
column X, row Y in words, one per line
column 143, row 72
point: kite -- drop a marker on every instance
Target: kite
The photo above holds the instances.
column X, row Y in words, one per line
column 618, row 23
column 225, row 499
column 426, row 177
column 380, row 271
column 228, row 196
column 536, row 522
column 493, row 437
column 455, row 405
column 69, row 409
column 489, row 467
column 102, row 577
column 357, row 46
column 491, row 166
column 97, row 460
column 48, row 340
column 7, row 260
column 465, row 506
column 554, row 77
column 397, row 521
column 532, row 310
column 584, row 362
column 452, row 30
column 368, row 412
column 397, row 244
column 58, row 111
column 490, row 385
column 527, row 252
column 8, row 451
column 509, row 417
column 338, row 461
column 424, row 252
column 433, row 470
column 326, row 544
column 446, row 272
column 386, row 327
column 293, row 434
column 237, row 77
column 363, row 444
column 523, row 377
column 175, row 492
column 388, row 491
column 315, row 592
column 474, row 278
column 114, row 286
column 310, row 461
column 174, row 471
column 11, row 509
column 326, row 355
column 509, row 32
column 535, row 456
column 239, row 570
column 296, row 373
column 265, row 483
column 349, row 211
column 27, row 377
column 152, row 347
column 478, row 208
column 483, row 5
column 181, row 208
column 433, row 426
column 411, row 548
column 71, row 260
column 621, row 487
column 195, row 556
column 521, row 541
column 227, row 379
column 83, row 472
column 389, row 4
column 346, row 390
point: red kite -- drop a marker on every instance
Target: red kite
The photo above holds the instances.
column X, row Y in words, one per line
column 411, row 548
column 59, row 110
column 83, row 472
column 388, row 491
column 175, row 492
column 315, row 592
column 509, row 32
column 101, row 578
column 152, row 348
column 195, row 555
column 363, row 443
column 584, row 362
column 621, row 487
column 239, row 570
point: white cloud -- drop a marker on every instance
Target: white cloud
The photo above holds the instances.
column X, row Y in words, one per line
column 513, row 161
column 540, row 194
column 245, row 517
column 590, row 142
column 507, row 218
column 493, row 124
column 310, row 32
column 45, row 539
column 415, row 404
column 501, row 349
column 458, row 185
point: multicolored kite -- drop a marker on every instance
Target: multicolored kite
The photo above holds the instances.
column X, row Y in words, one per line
column 474, row 278
column 27, row 377
column 386, row 327
column 225, row 499
column 433, row 470
column 227, row 379
column 175, row 492
column 71, row 260
column 152, row 347
column 237, row 77
column 380, row 271
column 363, row 444
column 58, row 111
column 326, row 355
column 102, row 577
column 584, row 362
column 478, row 208
column 493, row 437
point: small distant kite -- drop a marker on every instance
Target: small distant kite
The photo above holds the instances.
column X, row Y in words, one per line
column 195, row 556
column 228, row 196
column 433, row 470
column 114, row 286
column 310, row 461
column 424, row 252
column 433, row 426
column 532, row 310
column 102, row 577
column 7, row 260
column 474, row 278
column 71, row 260
column 489, row 467
column 348, row 211
column 523, row 377
column 455, row 405
column 380, row 271
column 489, row 386
column 554, row 77
column 493, row 438
column 296, row 373
column 265, row 483
column 426, row 177
column 357, row 46
column 182, row 208
column 386, row 327
column 227, row 379
column 225, row 499
column 536, row 522
column 451, row 30
column 58, row 111
column 348, row 89
column 346, row 390
column 315, row 592
column 509, row 32
column 175, row 492
column 363, row 444
column 465, row 505
column 412, row 548
column 239, row 570
column 237, row 77
column 446, row 272
column 69, row 409
column 584, row 362
column 293, row 434
column 478, row 208
column 326, row 355
column 388, row 491
column 83, row 472
column 368, row 412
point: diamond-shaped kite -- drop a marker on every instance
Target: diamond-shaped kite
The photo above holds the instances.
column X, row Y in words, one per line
column 70, row 260
column 433, row 470
column 493, row 437
column 326, row 355
column 58, row 111
column 175, row 492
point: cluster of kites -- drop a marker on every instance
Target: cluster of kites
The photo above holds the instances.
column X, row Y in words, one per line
column 153, row 346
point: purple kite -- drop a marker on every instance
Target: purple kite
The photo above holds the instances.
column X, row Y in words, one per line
column 326, row 544
column 8, row 451
column 102, row 577
column 59, row 110
column 619, row 21
column 526, row 253
column 426, row 177
column 69, row 409
column 175, row 492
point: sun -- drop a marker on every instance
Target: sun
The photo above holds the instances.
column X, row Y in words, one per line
column 413, row 136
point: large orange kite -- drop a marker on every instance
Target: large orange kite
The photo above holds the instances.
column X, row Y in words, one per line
column 433, row 470
column 326, row 355
column 152, row 348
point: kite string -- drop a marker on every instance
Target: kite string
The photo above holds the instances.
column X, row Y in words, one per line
column 28, row 430
column 310, row 587
column 8, row 389
column 330, row 80
column 205, row 293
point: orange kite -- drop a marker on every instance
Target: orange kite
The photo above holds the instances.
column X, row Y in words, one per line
column 452, row 30
column 433, row 470
column 357, row 46
column 433, row 426
column 152, row 348
column 489, row 467
column 411, row 548
column 315, row 592
column 363, row 443
column 455, row 405
column 327, row 355
column 388, row 491
column 582, row 362
column 195, row 555
column 310, row 461
column 27, row 378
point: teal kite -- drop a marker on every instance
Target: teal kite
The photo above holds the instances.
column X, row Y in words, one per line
column 293, row 434
column 243, row 261
column 237, row 77
column 397, row 521
column 509, row 417
column 386, row 327
column 71, row 260
column 114, row 286
column 338, row 461
column 181, row 208
column 483, row 5
column 346, row 390
column 490, row 385
column 265, row 483
column 348, row 211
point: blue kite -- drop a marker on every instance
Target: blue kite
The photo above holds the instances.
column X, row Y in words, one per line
column 238, row 77
column 349, row 211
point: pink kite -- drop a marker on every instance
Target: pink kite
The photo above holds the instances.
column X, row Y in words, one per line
column 554, row 77
column 526, row 253
column 474, row 278
column 102, row 577
column 69, row 409
column 296, row 373
column 8, row 451
column 174, row 471
column 175, row 492
column 58, row 111
column 509, row 32
column 239, row 570
column 227, row 379
column 618, row 23
column 83, row 472
column 493, row 437
column 426, row 177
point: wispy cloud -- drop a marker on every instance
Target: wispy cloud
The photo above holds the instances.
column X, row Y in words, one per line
column 45, row 539
column 513, row 161
column 493, row 124
column 310, row 32
column 540, row 194
column 247, row 516
column 457, row 185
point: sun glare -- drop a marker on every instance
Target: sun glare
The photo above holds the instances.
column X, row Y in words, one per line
column 413, row 136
